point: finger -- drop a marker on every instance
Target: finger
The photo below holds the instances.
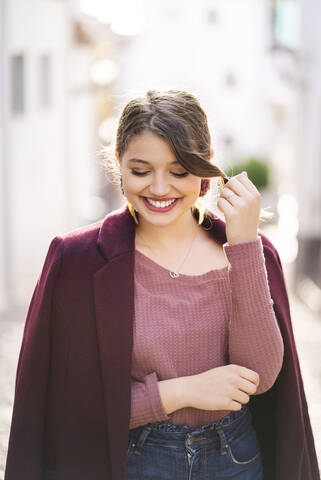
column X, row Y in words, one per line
column 229, row 195
column 247, row 386
column 240, row 396
column 225, row 206
column 250, row 375
column 237, row 185
column 244, row 180
column 235, row 405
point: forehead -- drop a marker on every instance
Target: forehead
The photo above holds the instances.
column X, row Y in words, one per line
column 148, row 147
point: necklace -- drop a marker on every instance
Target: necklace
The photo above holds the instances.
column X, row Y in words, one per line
column 173, row 273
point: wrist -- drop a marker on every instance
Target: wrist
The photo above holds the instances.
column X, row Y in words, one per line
column 235, row 241
column 183, row 388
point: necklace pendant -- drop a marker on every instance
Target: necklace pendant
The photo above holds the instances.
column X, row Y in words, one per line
column 174, row 274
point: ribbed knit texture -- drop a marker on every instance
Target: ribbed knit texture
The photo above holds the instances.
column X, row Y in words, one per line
column 190, row 324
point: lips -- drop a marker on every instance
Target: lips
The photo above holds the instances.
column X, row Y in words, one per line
column 161, row 199
column 160, row 209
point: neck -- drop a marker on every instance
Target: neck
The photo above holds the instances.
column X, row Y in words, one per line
column 168, row 236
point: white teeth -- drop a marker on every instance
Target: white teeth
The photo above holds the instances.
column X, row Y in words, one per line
column 160, row 204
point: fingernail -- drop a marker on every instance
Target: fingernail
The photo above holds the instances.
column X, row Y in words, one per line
column 245, row 173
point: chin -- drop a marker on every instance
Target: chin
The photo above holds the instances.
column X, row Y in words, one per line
column 161, row 222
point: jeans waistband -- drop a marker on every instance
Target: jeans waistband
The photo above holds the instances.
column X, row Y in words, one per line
column 218, row 433
column 225, row 421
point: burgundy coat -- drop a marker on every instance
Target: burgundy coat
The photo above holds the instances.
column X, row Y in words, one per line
column 71, row 409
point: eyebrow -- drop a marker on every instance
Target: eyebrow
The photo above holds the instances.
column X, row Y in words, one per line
column 139, row 160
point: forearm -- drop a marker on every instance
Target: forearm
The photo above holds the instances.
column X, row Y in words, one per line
column 153, row 400
column 255, row 340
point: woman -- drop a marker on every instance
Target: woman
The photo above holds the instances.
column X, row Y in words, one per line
column 158, row 341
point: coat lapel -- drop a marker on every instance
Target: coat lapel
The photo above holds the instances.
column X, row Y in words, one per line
column 114, row 308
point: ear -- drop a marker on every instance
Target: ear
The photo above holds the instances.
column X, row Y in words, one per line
column 117, row 155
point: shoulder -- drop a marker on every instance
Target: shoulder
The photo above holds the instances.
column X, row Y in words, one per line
column 80, row 237
column 73, row 245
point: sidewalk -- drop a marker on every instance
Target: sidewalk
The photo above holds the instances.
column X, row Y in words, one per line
column 11, row 329
column 307, row 333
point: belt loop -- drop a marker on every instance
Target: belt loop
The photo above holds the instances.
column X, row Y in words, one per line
column 223, row 441
column 141, row 439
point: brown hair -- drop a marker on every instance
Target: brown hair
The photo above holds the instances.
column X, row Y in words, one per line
column 177, row 116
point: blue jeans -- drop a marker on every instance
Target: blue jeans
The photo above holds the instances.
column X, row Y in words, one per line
column 225, row 449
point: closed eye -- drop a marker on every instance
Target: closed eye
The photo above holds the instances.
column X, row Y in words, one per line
column 145, row 173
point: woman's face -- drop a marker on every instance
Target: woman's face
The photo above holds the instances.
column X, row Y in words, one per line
column 150, row 171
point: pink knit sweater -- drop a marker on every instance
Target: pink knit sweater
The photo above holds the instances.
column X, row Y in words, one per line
column 190, row 324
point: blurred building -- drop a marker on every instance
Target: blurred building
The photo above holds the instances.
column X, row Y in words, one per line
column 47, row 137
column 69, row 69
column 309, row 162
column 224, row 53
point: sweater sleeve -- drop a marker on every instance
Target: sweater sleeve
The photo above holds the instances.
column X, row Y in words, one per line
column 146, row 402
column 255, row 340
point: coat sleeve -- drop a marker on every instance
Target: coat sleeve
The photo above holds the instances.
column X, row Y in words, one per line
column 26, row 445
column 310, row 469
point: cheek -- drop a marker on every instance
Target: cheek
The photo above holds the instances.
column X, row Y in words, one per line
column 196, row 188
column 189, row 190
column 133, row 183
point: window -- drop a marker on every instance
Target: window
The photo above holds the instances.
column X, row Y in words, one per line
column 212, row 16
column 45, row 85
column 17, row 84
column 285, row 24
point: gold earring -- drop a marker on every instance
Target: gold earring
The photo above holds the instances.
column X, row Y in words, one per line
column 132, row 212
column 201, row 207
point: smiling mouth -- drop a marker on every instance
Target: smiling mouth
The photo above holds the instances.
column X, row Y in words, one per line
column 159, row 204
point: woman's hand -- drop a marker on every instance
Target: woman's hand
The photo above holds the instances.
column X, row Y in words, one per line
column 220, row 388
column 240, row 202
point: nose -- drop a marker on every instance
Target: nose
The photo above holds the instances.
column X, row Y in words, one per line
column 159, row 186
